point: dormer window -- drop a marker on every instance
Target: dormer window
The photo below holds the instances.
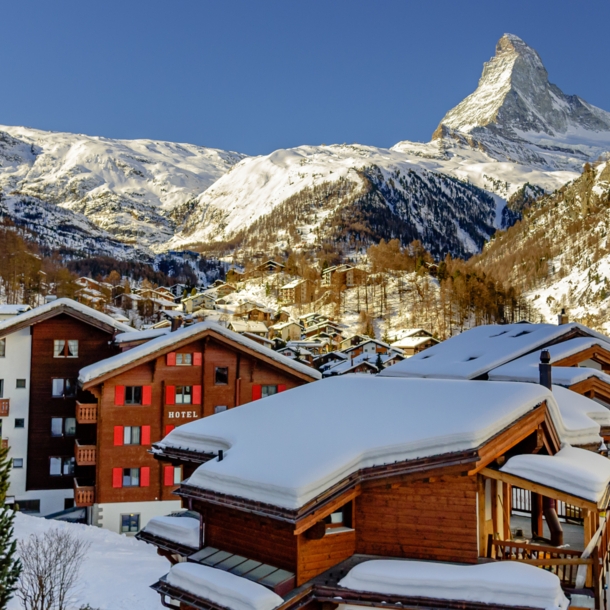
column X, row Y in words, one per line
column 340, row 520
column 63, row 348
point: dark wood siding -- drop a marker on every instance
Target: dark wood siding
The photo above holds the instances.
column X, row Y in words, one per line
column 317, row 556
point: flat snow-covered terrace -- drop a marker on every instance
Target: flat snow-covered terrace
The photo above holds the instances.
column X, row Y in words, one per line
column 288, row 449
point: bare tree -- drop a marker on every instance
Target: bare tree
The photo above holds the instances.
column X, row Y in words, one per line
column 51, row 565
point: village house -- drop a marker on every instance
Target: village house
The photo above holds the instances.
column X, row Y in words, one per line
column 270, row 267
column 200, row 299
column 299, row 291
column 41, row 352
column 344, row 275
column 425, row 473
column 369, row 346
column 248, row 326
column 234, row 276
column 260, row 314
column 287, row 331
column 140, row 395
column 413, row 340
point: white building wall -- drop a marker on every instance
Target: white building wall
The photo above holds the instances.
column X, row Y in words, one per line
column 108, row 515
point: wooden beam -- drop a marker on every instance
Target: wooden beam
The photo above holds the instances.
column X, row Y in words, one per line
column 544, row 490
column 481, row 516
column 311, row 519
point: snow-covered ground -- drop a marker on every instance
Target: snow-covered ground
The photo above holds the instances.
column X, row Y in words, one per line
column 117, row 572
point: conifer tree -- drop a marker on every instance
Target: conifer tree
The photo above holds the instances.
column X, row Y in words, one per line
column 10, row 566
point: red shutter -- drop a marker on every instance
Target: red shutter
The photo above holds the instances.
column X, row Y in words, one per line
column 118, row 435
column 145, row 436
column 117, row 477
column 170, row 394
column 145, row 476
column 171, row 359
column 197, row 359
column 257, row 392
column 147, row 395
column 196, row 394
column 169, row 428
column 281, row 388
column 119, row 395
column 168, row 475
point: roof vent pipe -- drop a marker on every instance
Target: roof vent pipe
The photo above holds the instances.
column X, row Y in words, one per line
column 176, row 323
column 562, row 318
column 221, row 455
column 545, row 369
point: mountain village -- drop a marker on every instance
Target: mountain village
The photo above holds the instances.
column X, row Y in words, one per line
column 385, row 388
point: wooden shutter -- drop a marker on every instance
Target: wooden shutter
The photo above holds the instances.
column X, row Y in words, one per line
column 169, row 428
column 145, row 435
column 147, row 395
column 119, row 395
column 168, row 476
column 171, row 359
column 118, row 435
column 196, row 394
column 170, row 394
column 197, row 359
column 281, row 388
column 145, row 476
column 257, row 392
column 117, row 477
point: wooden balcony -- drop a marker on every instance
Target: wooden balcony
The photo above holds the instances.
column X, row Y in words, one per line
column 84, row 495
column 5, row 404
column 86, row 413
column 85, row 454
column 4, row 443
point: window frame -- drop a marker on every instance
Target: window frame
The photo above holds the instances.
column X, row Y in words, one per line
column 265, row 395
column 20, row 387
column 65, row 463
column 3, row 347
column 71, row 383
column 220, row 409
column 128, row 432
column 217, row 370
column 15, row 461
column 180, row 356
column 22, row 420
column 134, row 400
column 183, row 394
column 131, row 476
column 131, row 518
column 66, row 349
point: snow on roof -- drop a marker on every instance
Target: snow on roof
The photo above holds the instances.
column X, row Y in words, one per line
column 141, row 335
column 575, row 471
column 342, row 367
column 32, row 314
column 481, row 349
column 293, row 284
column 509, row 583
column 281, row 325
column 258, row 338
column 299, row 459
column 411, row 342
column 13, row 310
column 183, row 530
column 408, row 332
column 526, row 367
column 108, row 365
column 248, row 325
column 222, row 588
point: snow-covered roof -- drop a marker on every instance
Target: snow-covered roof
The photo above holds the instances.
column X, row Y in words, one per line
column 183, row 530
column 411, row 342
column 93, row 371
column 258, row 338
column 281, row 325
column 293, row 284
column 572, row 470
column 526, row 367
column 13, row 310
column 506, row 583
column 343, row 367
column 409, row 332
column 299, row 459
column 251, row 326
column 59, row 304
column 222, row 588
column 141, row 335
column 481, row 349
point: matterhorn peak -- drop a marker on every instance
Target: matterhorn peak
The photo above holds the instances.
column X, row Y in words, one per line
column 515, row 100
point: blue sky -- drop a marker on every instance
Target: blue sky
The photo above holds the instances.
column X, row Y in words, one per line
column 254, row 76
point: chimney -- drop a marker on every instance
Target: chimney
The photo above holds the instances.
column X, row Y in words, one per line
column 562, row 318
column 176, row 323
column 545, row 369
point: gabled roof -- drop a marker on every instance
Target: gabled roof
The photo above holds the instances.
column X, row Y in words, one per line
column 477, row 351
column 62, row 306
column 96, row 373
column 13, row 310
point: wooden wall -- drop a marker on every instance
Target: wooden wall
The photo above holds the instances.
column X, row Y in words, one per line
column 420, row 520
column 317, row 556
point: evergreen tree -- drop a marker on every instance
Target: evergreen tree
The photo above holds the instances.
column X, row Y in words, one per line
column 379, row 362
column 10, row 566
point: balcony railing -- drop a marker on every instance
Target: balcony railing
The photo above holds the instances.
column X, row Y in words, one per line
column 84, row 454
column 84, row 495
column 5, row 404
column 86, row 413
column 4, row 443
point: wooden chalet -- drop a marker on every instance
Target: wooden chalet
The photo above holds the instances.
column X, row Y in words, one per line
column 344, row 275
column 433, row 485
column 234, row 276
column 270, row 266
column 260, row 314
column 287, row 331
column 298, row 291
column 140, row 395
column 369, row 346
column 413, row 340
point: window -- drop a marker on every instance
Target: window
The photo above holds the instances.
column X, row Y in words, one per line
column 130, row 523
column 61, row 466
column 61, row 426
column 17, row 462
column 2, row 348
column 1, row 388
column 28, row 506
column 341, row 518
column 20, row 384
column 131, row 477
column 184, row 359
column 220, row 408
column 65, row 349
column 64, row 388
column 269, row 390
column 19, row 422
column 131, row 435
column 184, row 395
column 133, row 395
column 221, row 376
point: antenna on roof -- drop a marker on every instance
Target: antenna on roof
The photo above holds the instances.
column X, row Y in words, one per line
column 545, row 369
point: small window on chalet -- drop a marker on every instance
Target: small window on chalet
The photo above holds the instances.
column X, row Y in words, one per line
column 340, row 520
column 64, row 388
column 63, row 426
column 2, row 348
column 221, row 376
column 184, row 359
column 268, row 390
column 20, row 384
column 130, row 524
column 184, row 394
column 131, row 477
column 131, row 435
column 61, row 466
column 220, row 408
column 19, row 422
column 63, row 348
column 28, row 506
column 133, row 395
